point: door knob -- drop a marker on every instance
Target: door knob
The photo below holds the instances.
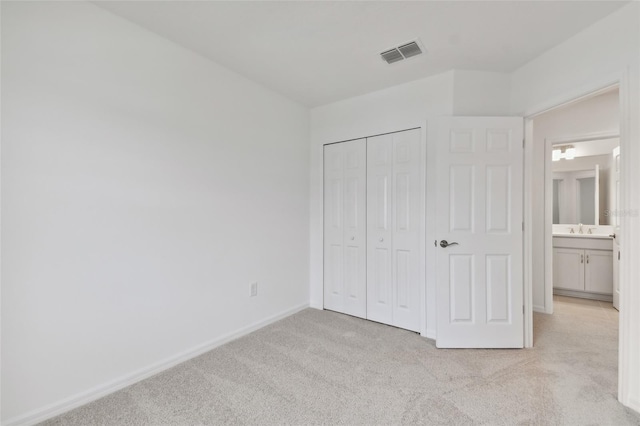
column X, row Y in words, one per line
column 445, row 244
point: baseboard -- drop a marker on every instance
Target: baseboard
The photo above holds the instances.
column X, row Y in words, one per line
column 82, row 398
column 316, row 305
column 540, row 309
column 583, row 295
column 634, row 404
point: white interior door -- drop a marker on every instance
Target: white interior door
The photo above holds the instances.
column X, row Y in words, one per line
column 394, row 196
column 616, row 223
column 616, row 273
column 596, row 197
column 479, row 201
column 345, row 227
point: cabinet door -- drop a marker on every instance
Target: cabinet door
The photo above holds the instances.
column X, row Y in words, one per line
column 344, row 227
column 568, row 268
column 599, row 271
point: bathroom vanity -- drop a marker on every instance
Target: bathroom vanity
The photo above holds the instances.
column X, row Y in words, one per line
column 583, row 265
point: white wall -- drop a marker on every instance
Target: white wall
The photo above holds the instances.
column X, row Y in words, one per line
column 481, row 93
column 597, row 114
column 143, row 189
column 410, row 105
column 582, row 163
column 601, row 54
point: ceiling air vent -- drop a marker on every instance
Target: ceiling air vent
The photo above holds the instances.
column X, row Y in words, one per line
column 410, row 49
column 392, row 56
column 399, row 53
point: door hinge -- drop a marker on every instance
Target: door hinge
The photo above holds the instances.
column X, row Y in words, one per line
column 523, row 143
column 522, row 226
column 522, row 309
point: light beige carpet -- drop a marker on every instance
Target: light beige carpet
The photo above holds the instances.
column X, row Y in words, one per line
column 323, row 367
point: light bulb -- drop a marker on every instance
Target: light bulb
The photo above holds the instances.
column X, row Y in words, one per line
column 570, row 153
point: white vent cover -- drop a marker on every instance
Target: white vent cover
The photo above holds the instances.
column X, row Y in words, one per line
column 399, row 53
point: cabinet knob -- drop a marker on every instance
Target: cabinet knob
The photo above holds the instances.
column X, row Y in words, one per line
column 381, row 239
column 353, row 238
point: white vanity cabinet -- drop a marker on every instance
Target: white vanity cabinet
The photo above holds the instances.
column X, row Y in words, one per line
column 583, row 267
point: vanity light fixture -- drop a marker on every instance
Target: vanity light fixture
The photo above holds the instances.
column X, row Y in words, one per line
column 568, row 152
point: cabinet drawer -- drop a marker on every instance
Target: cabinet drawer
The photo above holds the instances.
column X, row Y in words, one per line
column 584, row 243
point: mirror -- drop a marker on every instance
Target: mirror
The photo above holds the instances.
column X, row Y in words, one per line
column 585, row 187
column 587, row 203
column 576, row 197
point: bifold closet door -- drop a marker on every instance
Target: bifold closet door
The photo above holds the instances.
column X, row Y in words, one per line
column 394, row 194
column 345, row 274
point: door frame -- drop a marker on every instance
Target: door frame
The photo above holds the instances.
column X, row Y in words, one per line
column 548, row 203
column 627, row 342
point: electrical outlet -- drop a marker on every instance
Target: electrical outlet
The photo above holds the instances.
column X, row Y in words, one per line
column 254, row 289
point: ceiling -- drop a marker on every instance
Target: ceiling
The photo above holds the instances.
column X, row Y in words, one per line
column 319, row 52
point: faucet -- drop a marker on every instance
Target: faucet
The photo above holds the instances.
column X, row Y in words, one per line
column 580, row 228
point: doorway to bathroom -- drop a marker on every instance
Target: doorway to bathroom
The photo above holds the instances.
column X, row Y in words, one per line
column 577, row 201
column 576, row 226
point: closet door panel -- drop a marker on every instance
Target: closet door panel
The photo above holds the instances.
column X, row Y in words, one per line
column 355, row 230
column 345, row 227
column 379, row 235
column 406, row 225
column 333, row 227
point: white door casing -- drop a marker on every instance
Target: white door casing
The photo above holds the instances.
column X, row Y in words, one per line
column 394, row 194
column 345, row 227
column 480, row 207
